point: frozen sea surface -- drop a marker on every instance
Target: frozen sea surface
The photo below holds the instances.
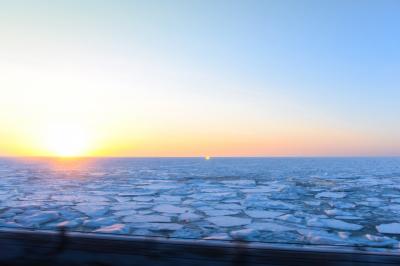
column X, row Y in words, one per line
column 327, row 201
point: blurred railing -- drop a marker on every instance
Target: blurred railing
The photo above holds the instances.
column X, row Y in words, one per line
column 26, row 247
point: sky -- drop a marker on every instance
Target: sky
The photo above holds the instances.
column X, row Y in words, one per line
column 200, row 78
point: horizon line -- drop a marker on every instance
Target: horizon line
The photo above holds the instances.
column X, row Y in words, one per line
column 199, row 156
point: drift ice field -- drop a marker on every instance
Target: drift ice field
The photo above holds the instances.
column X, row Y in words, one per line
column 305, row 201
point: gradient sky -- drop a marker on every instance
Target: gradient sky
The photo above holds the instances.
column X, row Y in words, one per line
column 195, row 78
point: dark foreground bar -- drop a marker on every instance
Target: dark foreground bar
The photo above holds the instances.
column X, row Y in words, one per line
column 21, row 247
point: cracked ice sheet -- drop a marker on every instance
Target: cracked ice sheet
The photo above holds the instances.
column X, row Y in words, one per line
column 336, row 200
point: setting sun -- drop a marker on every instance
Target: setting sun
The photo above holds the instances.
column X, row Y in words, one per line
column 67, row 141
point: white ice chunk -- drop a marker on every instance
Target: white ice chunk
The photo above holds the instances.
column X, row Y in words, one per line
column 392, row 228
column 114, row 229
column 333, row 223
column 327, row 194
column 159, row 226
column 263, row 214
column 229, row 221
column 218, row 236
column 320, row 237
column 189, row 217
column 103, row 221
column 239, row 182
column 211, row 212
column 313, row 202
column 92, row 210
column 124, row 213
column 228, row 206
column 146, row 219
column 70, row 224
column 338, row 212
column 245, row 234
column 167, row 208
column 270, row 227
column 290, row 218
column 37, row 219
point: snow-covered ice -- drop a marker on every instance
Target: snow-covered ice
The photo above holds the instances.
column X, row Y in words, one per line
column 392, row 228
column 263, row 214
column 333, row 223
column 114, row 229
column 228, row 221
column 170, row 209
column 269, row 226
column 353, row 201
column 335, row 195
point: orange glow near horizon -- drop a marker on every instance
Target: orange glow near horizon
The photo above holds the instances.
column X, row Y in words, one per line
column 138, row 79
column 71, row 140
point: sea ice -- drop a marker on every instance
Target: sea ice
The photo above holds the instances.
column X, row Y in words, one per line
column 160, row 226
column 168, row 198
column 226, row 206
column 37, row 219
column 263, row 214
column 313, row 202
column 338, row 212
column 189, row 217
column 137, row 193
column 261, row 189
column 392, row 228
column 239, row 182
column 170, row 208
column 104, row 221
column 187, row 233
column 212, row 212
column 146, row 219
column 114, row 229
column 320, row 237
column 335, row 195
column 228, row 221
column 290, row 218
column 70, row 223
column 381, row 239
column 245, row 234
column 253, row 199
column 218, row 236
column 333, row 223
column 92, row 210
column 130, row 206
column 269, row 227
column 142, row 198
column 124, row 213
column 348, row 217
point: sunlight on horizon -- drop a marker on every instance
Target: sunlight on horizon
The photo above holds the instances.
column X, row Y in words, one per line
column 65, row 140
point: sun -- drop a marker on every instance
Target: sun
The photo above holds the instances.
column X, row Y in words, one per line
column 67, row 140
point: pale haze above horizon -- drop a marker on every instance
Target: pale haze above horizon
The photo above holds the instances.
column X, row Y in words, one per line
column 200, row 78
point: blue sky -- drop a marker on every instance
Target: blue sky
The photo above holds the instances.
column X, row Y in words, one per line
column 210, row 70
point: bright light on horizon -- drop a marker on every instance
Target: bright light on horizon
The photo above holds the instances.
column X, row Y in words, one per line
column 66, row 140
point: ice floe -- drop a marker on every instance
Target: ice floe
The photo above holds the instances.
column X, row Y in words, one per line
column 392, row 228
column 146, row 219
column 37, row 219
column 334, row 224
column 263, row 214
column 170, row 208
column 228, row 221
column 269, row 226
column 335, row 195
column 114, row 229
